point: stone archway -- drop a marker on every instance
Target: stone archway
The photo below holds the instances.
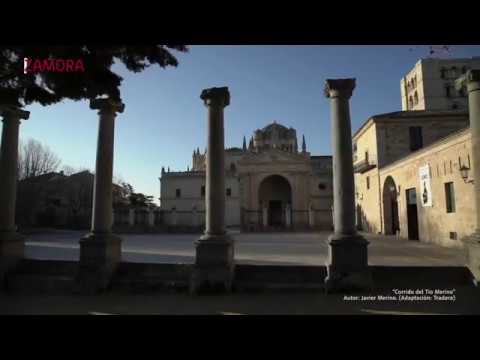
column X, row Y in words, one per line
column 390, row 207
column 275, row 199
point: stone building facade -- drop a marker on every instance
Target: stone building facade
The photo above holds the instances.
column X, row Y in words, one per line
column 407, row 176
column 269, row 184
column 430, row 85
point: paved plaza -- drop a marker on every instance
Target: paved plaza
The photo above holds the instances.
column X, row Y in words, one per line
column 250, row 248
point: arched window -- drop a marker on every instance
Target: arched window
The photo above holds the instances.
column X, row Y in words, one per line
column 415, row 97
column 410, row 102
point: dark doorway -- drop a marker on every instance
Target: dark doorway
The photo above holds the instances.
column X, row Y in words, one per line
column 390, row 207
column 412, row 214
column 275, row 193
column 275, row 213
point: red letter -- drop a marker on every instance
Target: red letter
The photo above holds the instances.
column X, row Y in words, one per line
column 48, row 65
column 79, row 65
column 37, row 65
column 69, row 66
column 60, row 65
column 29, row 65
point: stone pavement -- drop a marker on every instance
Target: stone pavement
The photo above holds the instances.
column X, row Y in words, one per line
column 250, row 248
column 261, row 249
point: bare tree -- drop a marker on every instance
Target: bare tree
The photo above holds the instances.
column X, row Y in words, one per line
column 36, row 159
column 70, row 170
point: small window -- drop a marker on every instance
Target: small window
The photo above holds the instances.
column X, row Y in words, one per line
column 232, row 167
column 202, row 191
column 368, row 182
column 416, row 138
column 178, row 193
column 448, row 91
column 415, row 98
column 454, row 106
column 453, row 235
column 410, row 102
column 355, row 147
column 229, row 192
column 442, row 73
column 322, row 186
column 450, row 197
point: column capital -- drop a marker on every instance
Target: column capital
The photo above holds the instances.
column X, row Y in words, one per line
column 216, row 96
column 12, row 112
column 342, row 88
column 107, row 105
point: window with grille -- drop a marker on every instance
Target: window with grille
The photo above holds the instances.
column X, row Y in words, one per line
column 450, row 197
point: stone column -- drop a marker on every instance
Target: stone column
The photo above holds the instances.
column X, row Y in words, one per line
column 214, row 261
column 100, row 250
column 311, row 216
column 194, row 217
column 288, row 215
column 472, row 243
column 131, row 217
column 11, row 242
column 265, row 215
column 151, row 218
column 347, row 266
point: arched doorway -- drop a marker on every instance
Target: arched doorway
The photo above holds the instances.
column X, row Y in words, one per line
column 390, row 207
column 275, row 196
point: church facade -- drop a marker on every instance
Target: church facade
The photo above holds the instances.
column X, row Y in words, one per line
column 270, row 184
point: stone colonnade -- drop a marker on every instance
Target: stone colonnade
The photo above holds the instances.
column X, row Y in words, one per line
column 100, row 250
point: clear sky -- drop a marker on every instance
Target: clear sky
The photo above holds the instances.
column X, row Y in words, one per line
column 165, row 120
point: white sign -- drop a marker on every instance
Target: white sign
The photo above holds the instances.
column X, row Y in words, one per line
column 425, row 188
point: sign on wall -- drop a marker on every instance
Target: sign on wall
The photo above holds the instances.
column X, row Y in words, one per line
column 425, row 186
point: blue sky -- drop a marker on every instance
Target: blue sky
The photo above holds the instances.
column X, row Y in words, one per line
column 164, row 118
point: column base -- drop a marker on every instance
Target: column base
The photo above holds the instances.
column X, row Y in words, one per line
column 12, row 250
column 214, row 264
column 100, row 254
column 472, row 247
column 347, row 266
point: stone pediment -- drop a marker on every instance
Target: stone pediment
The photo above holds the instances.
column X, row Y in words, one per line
column 273, row 157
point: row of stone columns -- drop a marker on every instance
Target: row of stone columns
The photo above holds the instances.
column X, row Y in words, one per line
column 100, row 250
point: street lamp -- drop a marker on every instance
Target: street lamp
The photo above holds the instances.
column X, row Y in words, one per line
column 464, row 173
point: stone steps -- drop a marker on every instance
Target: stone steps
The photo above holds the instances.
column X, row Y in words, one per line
column 139, row 277
column 441, row 277
column 279, row 278
column 58, row 277
column 42, row 277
